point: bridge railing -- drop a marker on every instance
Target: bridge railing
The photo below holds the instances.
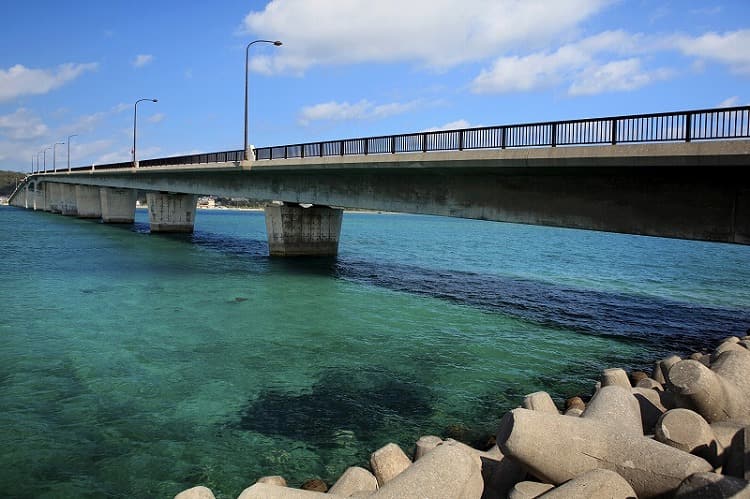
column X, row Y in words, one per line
column 684, row 126
column 190, row 159
column 194, row 159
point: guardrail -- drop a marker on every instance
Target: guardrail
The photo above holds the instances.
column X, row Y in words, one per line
column 194, row 159
column 683, row 126
column 191, row 159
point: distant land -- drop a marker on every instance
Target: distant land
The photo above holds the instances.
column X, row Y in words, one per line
column 8, row 181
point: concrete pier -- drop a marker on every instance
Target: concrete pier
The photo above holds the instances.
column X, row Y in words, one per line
column 68, row 205
column 296, row 231
column 171, row 212
column 117, row 205
column 88, row 201
column 40, row 197
column 54, row 193
column 24, row 196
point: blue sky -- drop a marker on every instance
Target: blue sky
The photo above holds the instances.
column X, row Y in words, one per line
column 347, row 68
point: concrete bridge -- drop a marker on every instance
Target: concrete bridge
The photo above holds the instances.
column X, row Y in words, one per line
column 681, row 175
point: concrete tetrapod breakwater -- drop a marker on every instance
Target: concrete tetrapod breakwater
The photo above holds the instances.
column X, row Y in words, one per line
column 683, row 432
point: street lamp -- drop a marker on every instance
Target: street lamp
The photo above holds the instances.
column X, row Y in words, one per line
column 32, row 163
column 247, row 53
column 37, row 160
column 70, row 137
column 44, row 156
column 135, row 115
column 54, row 155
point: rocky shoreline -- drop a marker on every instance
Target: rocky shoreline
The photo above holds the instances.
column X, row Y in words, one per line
column 683, row 431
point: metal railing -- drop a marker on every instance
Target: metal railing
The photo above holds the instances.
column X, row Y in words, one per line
column 194, row 159
column 683, row 126
column 191, row 159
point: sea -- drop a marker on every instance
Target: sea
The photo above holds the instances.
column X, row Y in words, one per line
column 138, row 365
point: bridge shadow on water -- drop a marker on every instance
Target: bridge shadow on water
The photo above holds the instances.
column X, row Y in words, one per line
column 624, row 317
column 369, row 402
column 348, row 410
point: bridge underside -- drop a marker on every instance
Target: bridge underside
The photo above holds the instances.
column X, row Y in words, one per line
column 655, row 190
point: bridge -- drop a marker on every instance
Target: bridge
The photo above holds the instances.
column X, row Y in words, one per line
column 679, row 174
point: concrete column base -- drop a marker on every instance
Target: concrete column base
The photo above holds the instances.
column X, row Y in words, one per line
column 68, row 205
column 39, row 197
column 117, row 205
column 88, row 201
column 54, row 191
column 43, row 196
column 296, row 231
column 171, row 212
column 33, row 200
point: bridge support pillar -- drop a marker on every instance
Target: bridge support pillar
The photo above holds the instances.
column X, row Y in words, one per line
column 68, row 206
column 88, row 201
column 54, row 192
column 296, row 231
column 40, row 195
column 117, row 205
column 27, row 193
column 171, row 212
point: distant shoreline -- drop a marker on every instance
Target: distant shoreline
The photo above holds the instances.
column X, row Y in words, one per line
column 223, row 208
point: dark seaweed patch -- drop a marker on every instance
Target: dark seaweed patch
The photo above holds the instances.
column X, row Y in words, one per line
column 361, row 401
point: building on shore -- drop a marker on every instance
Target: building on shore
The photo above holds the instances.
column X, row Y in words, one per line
column 206, row 202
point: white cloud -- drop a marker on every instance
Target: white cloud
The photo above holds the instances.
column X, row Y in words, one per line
column 121, row 107
column 707, row 11
column 582, row 65
column 729, row 48
column 453, row 125
column 85, row 123
column 19, row 80
column 90, row 122
column 157, row 118
column 126, row 155
column 615, row 76
column 22, row 133
column 531, row 72
column 730, row 102
column 142, row 59
column 22, row 125
column 113, row 157
column 81, row 149
column 345, row 111
column 433, row 33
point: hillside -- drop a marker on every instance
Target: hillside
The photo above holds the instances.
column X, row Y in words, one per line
column 8, row 181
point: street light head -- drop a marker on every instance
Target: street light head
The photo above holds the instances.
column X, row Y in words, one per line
column 154, row 100
column 278, row 43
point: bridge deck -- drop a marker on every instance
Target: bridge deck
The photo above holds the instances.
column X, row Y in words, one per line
column 686, row 189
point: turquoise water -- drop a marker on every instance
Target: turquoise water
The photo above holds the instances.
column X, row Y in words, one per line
column 138, row 365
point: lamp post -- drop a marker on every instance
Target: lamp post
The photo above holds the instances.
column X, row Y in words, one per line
column 276, row 43
column 32, row 164
column 44, row 156
column 37, row 161
column 54, row 155
column 135, row 115
column 70, row 137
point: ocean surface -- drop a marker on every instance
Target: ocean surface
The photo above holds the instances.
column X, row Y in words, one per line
column 138, row 365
